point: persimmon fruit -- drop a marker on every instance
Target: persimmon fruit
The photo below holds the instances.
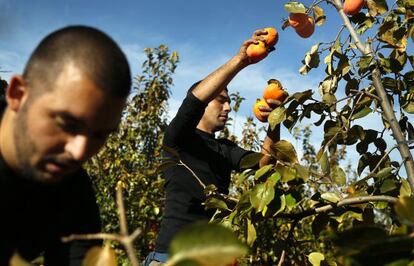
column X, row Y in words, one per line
column 352, row 7
column 307, row 30
column 298, row 20
column 257, row 51
column 274, row 91
column 256, row 110
column 272, row 36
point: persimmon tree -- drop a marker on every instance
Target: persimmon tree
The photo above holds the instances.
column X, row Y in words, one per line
column 297, row 213
column 130, row 157
column 311, row 210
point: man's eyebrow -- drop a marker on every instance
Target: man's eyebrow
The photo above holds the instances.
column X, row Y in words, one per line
column 71, row 119
column 223, row 98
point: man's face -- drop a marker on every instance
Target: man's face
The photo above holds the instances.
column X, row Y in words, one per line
column 58, row 130
column 217, row 111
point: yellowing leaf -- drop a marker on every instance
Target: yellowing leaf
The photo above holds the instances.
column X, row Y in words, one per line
column 315, row 258
column 405, row 190
column 404, row 208
column 295, row 7
column 331, row 197
column 16, row 260
column 284, row 151
column 319, row 14
column 98, row 256
column 276, row 117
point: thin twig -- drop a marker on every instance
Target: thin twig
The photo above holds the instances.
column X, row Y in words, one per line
column 126, row 240
column 121, row 212
column 282, row 258
column 104, row 236
column 339, row 204
column 194, row 174
column 372, row 173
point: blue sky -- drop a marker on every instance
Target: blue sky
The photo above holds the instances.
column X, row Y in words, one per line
column 204, row 33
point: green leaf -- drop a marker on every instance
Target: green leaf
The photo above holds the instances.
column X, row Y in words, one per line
column 250, row 160
column 404, row 208
column 331, row 197
column 295, row 7
column 284, row 151
column 262, row 171
column 349, row 214
column 251, row 233
column 386, row 64
column 329, row 99
column 302, row 171
column 339, row 175
column 287, row 173
column 364, row 112
column 206, row 244
column 276, row 117
column 376, row 7
column 384, row 172
column 315, row 258
column 324, row 161
column 274, row 178
column 405, row 189
column 261, row 195
column 290, row 201
column 214, row 203
column 364, row 63
column 301, row 97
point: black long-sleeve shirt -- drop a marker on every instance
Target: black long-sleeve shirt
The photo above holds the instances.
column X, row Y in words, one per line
column 34, row 217
column 211, row 159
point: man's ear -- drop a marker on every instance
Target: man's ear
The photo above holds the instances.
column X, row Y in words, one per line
column 16, row 93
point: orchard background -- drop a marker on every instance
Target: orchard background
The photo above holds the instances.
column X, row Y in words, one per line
column 341, row 192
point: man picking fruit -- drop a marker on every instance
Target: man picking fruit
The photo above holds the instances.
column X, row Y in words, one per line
column 203, row 112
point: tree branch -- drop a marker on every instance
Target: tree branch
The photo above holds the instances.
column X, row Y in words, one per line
column 383, row 98
column 339, row 204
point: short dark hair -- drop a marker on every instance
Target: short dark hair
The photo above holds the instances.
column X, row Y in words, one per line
column 90, row 49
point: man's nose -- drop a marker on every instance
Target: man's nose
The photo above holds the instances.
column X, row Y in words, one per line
column 77, row 147
column 227, row 107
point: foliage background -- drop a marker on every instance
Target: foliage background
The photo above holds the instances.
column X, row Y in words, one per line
column 297, row 211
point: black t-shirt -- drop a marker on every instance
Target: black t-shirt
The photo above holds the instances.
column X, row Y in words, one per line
column 34, row 217
column 211, row 159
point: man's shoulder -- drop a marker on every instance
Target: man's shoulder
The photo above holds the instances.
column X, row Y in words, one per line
column 227, row 142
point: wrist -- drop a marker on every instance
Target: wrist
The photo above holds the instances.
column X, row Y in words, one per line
column 241, row 61
column 275, row 133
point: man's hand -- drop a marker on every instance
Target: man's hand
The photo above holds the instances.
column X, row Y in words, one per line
column 273, row 104
column 258, row 35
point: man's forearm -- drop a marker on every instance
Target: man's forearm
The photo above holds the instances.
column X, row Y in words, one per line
column 214, row 83
column 272, row 137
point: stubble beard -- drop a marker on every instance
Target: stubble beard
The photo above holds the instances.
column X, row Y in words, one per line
column 24, row 147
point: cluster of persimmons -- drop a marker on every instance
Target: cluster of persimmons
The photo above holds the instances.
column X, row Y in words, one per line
column 304, row 26
column 273, row 91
